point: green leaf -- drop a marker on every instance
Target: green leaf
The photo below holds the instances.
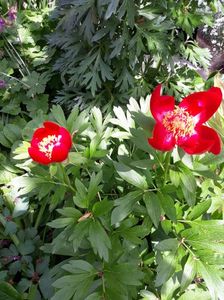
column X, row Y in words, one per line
column 10, row 228
column 23, row 185
column 166, row 268
column 188, row 185
column 4, row 141
column 188, row 180
column 167, row 245
column 35, row 83
column 45, row 285
column 65, row 293
column 153, row 207
column 40, row 102
column 94, row 187
column 72, row 118
column 124, row 206
column 21, row 152
column 148, row 13
column 123, row 273
column 21, row 207
column 70, row 212
column 81, row 196
column 5, row 175
column 189, row 272
column 12, row 132
column 53, row 170
column 213, row 159
column 58, row 114
column 167, row 204
column 131, row 176
column 99, row 240
column 215, row 245
column 213, row 280
column 61, row 222
column 7, row 292
column 111, row 9
column 124, row 121
column 78, row 124
column 78, row 267
column 139, row 138
column 95, row 141
column 175, row 177
column 136, row 233
column 78, row 283
column 77, row 158
column 26, row 247
column 169, row 287
column 102, row 208
column 199, row 209
column 147, row 295
column 203, row 230
column 94, row 296
column 25, row 36
column 97, row 120
column 197, row 294
column 80, row 231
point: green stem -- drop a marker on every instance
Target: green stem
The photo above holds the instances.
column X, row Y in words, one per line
column 159, row 64
column 189, row 250
column 40, row 214
column 166, row 167
column 65, row 177
column 103, row 283
column 14, row 78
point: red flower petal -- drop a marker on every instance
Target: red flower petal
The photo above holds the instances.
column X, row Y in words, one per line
column 159, row 105
column 66, row 137
column 162, row 139
column 60, row 146
column 205, row 139
column 203, row 104
column 39, row 134
column 38, row 156
column 50, row 129
column 51, row 125
column 59, row 153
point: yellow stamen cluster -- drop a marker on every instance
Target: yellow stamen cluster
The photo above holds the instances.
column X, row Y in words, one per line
column 47, row 144
column 179, row 122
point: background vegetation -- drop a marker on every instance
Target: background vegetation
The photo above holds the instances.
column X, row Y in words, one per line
column 117, row 220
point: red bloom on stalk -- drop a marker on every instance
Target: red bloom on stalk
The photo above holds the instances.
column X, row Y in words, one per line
column 50, row 144
column 183, row 125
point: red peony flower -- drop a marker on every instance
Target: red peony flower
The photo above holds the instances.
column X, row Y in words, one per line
column 183, row 125
column 50, row 144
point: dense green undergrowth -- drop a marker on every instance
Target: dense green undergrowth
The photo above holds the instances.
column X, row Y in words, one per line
column 117, row 220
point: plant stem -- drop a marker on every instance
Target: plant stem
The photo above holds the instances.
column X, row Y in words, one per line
column 103, row 282
column 159, row 64
column 40, row 214
column 166, row 167
column 14, row 78
column 65, row 177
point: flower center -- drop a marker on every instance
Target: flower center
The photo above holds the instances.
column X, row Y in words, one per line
column 179, row 122
column 47, row 144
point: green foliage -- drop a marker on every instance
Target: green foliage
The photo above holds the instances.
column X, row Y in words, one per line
column 131, row 225
column 116, row 219
column 112, row 49
column 8, row 292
